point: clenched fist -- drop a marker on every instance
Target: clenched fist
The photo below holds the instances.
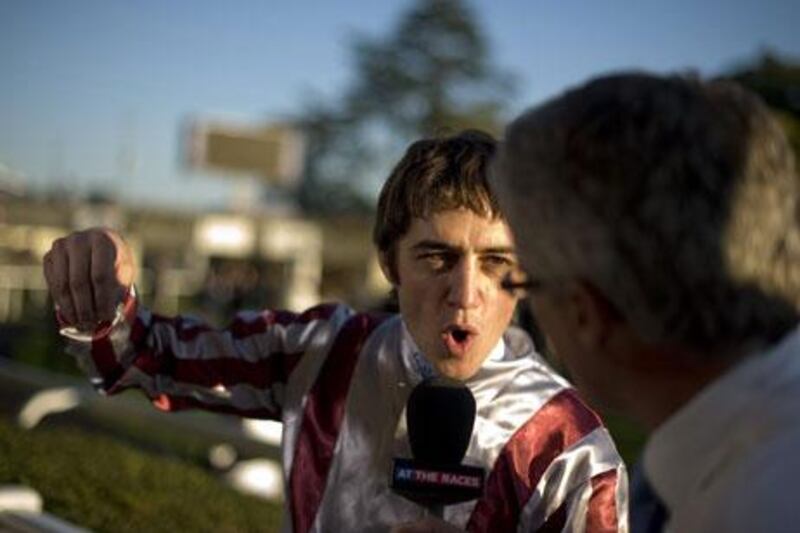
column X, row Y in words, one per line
column 88, row 273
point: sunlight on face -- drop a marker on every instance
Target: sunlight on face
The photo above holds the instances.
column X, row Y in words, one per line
column 449, row 268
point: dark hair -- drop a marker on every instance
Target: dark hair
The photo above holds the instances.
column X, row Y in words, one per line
column 434, row 175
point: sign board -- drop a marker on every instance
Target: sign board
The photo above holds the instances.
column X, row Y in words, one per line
column 273, row 152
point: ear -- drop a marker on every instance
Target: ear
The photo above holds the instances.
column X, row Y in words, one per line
column 593, row 318
column 386, row 261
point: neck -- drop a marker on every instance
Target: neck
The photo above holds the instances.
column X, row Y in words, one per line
column 665, row 379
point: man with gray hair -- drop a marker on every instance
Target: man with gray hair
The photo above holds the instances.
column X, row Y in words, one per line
column 657, row 220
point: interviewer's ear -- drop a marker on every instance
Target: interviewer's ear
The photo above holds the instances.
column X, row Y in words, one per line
column 592, row 316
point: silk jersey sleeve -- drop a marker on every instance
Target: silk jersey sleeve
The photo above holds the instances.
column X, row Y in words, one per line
column 182, row 362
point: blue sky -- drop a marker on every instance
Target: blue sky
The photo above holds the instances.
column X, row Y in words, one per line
column 87, row 86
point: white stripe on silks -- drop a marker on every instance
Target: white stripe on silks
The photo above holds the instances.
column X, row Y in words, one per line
column 303, row 377
column 500, row 418
column 242, row 396
column 591, row 455
column 621, row 497
column 121, row 344
column 302, row 335
column 217, row 344
column 578, row 512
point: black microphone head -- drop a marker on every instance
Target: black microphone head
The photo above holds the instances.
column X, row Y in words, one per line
column 440, row 415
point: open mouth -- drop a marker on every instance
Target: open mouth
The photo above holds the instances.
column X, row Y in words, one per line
column 458, row 339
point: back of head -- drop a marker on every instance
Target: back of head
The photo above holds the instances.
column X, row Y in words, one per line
column 676, row 198
column 434, row 175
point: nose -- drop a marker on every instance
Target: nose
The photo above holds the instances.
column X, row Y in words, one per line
column 464, row 291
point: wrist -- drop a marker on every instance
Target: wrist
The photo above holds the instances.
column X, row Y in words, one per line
column 125, row 311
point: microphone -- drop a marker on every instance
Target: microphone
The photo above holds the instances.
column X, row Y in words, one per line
column 440, row 415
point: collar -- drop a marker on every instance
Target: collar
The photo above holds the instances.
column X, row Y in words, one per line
column 689, row 448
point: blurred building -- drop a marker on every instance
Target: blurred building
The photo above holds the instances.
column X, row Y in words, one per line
column 204, row 263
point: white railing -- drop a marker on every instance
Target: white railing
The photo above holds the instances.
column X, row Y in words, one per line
column 21, row 511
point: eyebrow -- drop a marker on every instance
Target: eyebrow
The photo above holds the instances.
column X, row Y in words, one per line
column 433, row 245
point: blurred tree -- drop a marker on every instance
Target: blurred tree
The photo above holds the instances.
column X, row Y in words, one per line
column 777, row 80
column 432, row 74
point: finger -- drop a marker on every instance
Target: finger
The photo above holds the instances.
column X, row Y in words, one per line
column 107, row 290
column 124, row 266
column 56, row 270
column 80, row 279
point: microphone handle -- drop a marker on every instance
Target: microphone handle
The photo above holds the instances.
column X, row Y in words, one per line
column 436, row 510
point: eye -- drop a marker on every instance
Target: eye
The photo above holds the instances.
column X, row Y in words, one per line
column 496, row 263
column 437, row 261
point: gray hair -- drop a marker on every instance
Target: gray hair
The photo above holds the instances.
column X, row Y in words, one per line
column 676, row 198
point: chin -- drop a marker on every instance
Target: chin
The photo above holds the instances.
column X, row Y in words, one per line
column 458, row 371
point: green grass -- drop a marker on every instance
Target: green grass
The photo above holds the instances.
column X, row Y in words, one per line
column 100, row 484
column 628, row 437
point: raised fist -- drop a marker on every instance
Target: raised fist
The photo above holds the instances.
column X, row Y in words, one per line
column 88, row 273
